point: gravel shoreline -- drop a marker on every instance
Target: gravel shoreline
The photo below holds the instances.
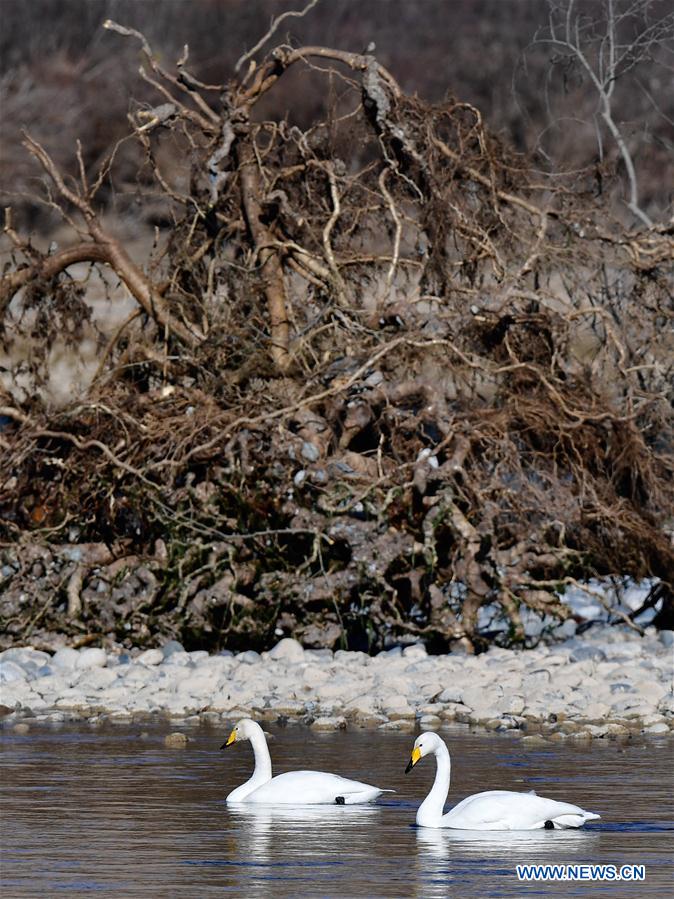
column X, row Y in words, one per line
column 609, row 683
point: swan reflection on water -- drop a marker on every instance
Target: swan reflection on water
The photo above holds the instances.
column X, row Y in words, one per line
column 518, row 845
column 303, row 825
column 468, row 862
column 303, row 814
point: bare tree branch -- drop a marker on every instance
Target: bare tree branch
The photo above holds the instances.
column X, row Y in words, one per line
column 272, row 30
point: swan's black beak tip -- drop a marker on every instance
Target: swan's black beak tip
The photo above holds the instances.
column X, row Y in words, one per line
column 410, row 765
column 224, row 746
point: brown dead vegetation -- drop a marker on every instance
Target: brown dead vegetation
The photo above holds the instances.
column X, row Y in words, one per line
column 381, row 374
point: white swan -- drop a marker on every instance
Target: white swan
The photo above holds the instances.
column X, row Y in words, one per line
column 493, row 810
column 295, row 787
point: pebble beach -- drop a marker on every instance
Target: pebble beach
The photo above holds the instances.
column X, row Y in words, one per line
column 609, row 684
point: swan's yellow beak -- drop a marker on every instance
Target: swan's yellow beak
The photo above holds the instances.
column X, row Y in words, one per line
column 416, row 755
column 230, row 739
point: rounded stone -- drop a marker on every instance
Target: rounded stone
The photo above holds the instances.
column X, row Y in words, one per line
column 310, row 452
column 332, row 722
column 588, row 653
column 652, row 719
column 249, row 657
column 430, row 722
column 67, row 657
column 580, row 736
column 177, row 659
column 119, row 659
column 597, row 711
column 493, row 724
column 566, row 630
column 21, row 728
column 151, row 657
column 363, row 706
column 11, row 672
column 511, row 704
column 168, row 649
column 451, row 694
column 651, row 690
column 480, row 700
column 92, row 658
column 287, row 707
column 399, row 724
column 396, row 706
column 415, row 652
column 25, row 655
column 660, row 728
column 389, row 653
column 176, row 740
column 287, row 650
column 616, row 730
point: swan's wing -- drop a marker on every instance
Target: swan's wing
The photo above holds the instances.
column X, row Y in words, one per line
column 313, row 788
column 507, row 810
column 479, row 811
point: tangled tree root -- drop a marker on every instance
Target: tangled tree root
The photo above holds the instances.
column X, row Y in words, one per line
column 381, row 376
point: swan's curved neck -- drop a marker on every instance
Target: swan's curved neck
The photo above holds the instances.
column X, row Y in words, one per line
column 262, row 770
column 430, row 810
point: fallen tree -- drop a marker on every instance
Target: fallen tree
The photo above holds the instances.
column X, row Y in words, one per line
column 382, row 375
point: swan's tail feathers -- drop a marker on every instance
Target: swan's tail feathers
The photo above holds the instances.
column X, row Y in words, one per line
column 359, row 796
column 563, row 822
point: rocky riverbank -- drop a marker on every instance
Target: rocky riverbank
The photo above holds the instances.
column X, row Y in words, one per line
column 611, row 683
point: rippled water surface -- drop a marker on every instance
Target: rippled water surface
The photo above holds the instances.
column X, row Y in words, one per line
column 110, row 810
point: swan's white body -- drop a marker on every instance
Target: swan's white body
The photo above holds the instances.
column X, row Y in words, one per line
column 493, row 810
column 295, row 787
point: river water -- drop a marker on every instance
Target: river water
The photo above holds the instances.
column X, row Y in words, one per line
column 108, row 810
